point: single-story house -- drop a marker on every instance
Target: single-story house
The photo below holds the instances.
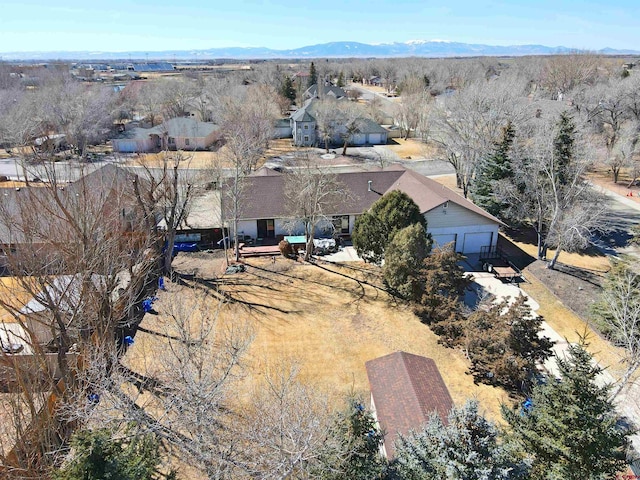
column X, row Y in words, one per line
column 450, row 217
column 406, row 389
column 174, row 134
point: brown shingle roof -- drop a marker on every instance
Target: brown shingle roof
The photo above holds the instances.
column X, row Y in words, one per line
column 406, row 389
column 264, row 193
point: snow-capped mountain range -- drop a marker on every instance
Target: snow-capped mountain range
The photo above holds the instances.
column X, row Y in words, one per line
column 422, row 48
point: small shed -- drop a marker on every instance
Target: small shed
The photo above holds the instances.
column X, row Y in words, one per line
column 406, row 389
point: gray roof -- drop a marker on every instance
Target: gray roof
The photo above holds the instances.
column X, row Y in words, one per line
column 312, row 91
column 366, row 125
column 185, row 127
column 301, row 115
column 174, row 127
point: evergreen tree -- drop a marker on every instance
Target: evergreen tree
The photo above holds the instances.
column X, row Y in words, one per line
column 374, row 228
column 571, row 429
column 468, row 447
column 341, row 80
column 353, row 451
column 493, row 169
column 99, row 456
column 443, row 286
column 504, row 344
column 313, row 76
column 564, row 147
column 288, row 90
column 403, row 259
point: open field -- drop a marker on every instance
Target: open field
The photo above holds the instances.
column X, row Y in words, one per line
column 329, row 324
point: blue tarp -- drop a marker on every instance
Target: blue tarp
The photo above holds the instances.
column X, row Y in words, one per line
column 185, row 247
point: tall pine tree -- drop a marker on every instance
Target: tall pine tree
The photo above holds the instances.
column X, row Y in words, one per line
column 564, row 147
column 288, row 91
column 494, row 168
column 571, row 430
column 313, row 75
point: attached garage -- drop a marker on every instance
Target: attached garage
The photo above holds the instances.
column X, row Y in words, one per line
column 376, row 139
column 473, row 242
column 442, row 239
column 359, row 139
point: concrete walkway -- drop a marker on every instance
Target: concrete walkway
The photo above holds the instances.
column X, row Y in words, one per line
column 626, row 402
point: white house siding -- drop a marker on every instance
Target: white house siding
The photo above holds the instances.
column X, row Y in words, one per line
column 461, row 222
column 247, row 227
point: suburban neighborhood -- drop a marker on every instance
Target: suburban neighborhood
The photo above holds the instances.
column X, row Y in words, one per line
column 308, row 263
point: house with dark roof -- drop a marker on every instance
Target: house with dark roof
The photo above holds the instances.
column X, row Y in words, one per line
column 304, row 128
column 406, row 390
column 450, row 217
column 315, row 91
column 181, row 133
column 30, row 217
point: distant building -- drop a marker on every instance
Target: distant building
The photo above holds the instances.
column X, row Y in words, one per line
column 304, row 129
column 151, row 67
column 173, row 134
column 324, row 91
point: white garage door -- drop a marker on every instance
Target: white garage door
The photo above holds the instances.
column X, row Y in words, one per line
column 374, row 138
column 474, row 241
column 125, row 146
column 443, row 239
column 359, row 139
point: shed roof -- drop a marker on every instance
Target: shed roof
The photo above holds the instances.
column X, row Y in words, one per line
column 406, row 390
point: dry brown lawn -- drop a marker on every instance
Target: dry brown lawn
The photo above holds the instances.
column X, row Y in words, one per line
column 192, row 159
column 591, row 260
column 603, row 178
column 11, row 293
column 448, row 181
column 410, row 148
column 328, row 324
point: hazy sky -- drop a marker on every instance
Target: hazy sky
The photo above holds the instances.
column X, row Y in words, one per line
column 152, row 25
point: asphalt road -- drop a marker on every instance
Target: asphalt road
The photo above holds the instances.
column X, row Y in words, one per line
column 623, row 214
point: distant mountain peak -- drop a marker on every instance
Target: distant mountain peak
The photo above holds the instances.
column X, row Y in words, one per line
column 436, row 48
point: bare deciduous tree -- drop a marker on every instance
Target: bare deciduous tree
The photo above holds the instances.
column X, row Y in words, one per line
column 311, row 194
column 468, row 123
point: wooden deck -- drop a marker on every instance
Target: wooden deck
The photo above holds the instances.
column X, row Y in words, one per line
column 264, row 250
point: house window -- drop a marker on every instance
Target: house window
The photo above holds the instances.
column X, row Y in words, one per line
column 306, row 127
column 186, row 142
column 306, row 138
column 172, row 141
column 341, row 224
